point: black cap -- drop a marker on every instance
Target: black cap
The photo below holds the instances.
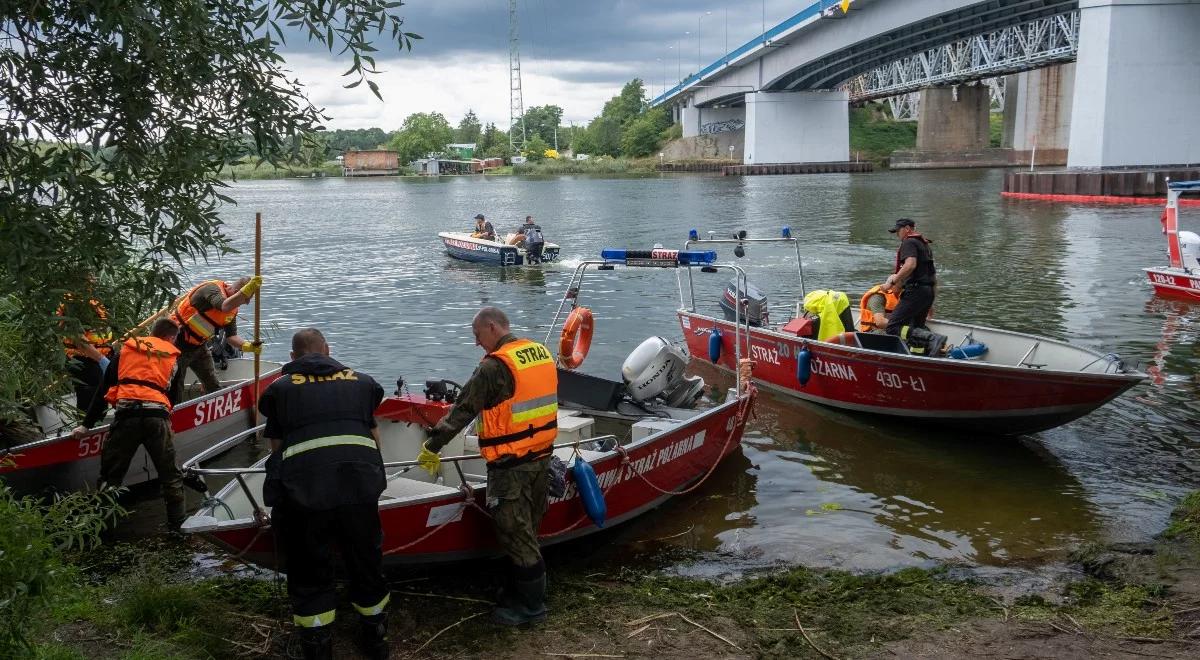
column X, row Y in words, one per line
column 902, row 222
column 479, row 216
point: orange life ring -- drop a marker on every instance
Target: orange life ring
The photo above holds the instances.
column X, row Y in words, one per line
column 844, row 339
column 576, row 338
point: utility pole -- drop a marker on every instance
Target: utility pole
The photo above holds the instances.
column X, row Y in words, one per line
column 516, row 104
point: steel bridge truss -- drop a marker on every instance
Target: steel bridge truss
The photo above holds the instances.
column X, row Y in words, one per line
column 1021, row 47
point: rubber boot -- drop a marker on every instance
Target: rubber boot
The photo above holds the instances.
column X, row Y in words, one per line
column 372, row 637
column 528, row 605
column 316, row 643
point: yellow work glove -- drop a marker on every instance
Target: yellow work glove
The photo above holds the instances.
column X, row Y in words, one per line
column 429, row 461
column 252, row 347
column 252, row 286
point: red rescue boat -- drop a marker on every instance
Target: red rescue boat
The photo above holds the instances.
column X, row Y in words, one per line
column 1019, row 384
column 648, row 437
column 1181, row 279
column 59, row 462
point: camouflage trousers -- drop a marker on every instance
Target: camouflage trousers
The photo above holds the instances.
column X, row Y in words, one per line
column 153, row 433
column 199, row 359
column 516, row 498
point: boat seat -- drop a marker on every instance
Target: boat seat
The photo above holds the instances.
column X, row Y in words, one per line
column 402, row 488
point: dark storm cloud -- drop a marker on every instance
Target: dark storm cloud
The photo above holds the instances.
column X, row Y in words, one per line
column 633, row 38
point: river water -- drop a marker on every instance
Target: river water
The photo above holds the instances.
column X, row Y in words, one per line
column 359, row 259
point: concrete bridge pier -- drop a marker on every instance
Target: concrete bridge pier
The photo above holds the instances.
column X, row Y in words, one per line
column 797, row 127
column 1137, row 85
column 1037, row 115
column 952, row 130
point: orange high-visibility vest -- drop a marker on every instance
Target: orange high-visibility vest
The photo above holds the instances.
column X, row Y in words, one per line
column 866, row 320
column 144, row 371
column 198, row 327
column 100, row 339
column 524, row 426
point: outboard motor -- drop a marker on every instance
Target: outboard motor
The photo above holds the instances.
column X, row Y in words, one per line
column 1189, row 250
column 655, row 370
column 923, row 342
column 755, row 309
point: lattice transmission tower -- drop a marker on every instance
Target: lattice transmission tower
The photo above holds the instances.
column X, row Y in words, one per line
column 516, row 104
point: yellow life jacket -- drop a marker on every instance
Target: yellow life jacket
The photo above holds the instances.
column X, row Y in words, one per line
column 827, row 305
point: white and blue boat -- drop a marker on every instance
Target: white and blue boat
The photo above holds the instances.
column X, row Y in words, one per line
column 462, row 245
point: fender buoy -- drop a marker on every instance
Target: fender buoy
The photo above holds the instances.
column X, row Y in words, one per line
column 968, row 351
column 576, row 338
column 803, row 365
column 714, row 345
column 844, row 339
column 589, row 491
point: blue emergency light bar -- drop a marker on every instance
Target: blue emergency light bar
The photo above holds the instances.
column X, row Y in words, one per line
column 658, row 257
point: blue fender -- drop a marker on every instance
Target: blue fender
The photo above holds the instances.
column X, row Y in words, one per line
column 714, row 345
column 589, row 491
column 803, row 366
column 968, row 351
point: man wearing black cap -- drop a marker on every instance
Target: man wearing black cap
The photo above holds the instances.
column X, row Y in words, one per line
column 915, row 276
column 483, row 228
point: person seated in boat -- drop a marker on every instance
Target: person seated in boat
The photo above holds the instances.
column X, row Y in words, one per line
column 514, row 393
column 831, row 309
column 200, row 314
column 530, row 235
column 324, row 478
column 483, row 229
column 876, row 304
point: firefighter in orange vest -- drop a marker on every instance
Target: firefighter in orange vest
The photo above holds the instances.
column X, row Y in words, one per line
column 876, row 304
column 201, row 313
column 88, row 354
column 514, row 392
column 135, row 383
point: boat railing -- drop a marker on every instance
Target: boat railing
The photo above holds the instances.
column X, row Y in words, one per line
column 663, row 258
column 739, row 240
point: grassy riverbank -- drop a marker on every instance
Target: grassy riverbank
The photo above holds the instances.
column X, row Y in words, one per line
column 552, row 167
column 143, row 601
column 249, row 171
column 874, row 136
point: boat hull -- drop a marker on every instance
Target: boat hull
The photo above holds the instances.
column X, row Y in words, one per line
column 63, row 463
column 462, row 246
column 967, row 395
column 446, row 528
column 1174, row 283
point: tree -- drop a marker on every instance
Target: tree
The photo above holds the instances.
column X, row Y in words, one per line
column 118, row 119
column 357, row 138
column 543, row 121
column 535, row 149
column 628, row 104
column 422, row 134
column 605, row 135
column 469, row 129
column 641, row 137
column 493, row 144
column 312, row 149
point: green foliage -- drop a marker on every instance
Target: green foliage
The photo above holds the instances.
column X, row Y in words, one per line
column 33, row 540
column 535, row 149
column 543, row 121
column 362, row 139
column 469, row 129
column 119, row 118
column 1106, row 607
column 605, row 166
column 644, row 133
column 1185, row 519
column 995, row 129
column 630, row 103
column 874, row 136
column 493, row 143
column 422, row 134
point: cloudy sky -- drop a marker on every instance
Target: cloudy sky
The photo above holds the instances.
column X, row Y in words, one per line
column 574, row 53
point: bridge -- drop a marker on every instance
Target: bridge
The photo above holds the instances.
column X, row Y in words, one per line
column 1110, row 83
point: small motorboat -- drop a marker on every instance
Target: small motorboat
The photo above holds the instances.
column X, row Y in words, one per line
column 1181, row 279
column 649, row 436
column 462, row 245
column 59, row 462
column 991, row 381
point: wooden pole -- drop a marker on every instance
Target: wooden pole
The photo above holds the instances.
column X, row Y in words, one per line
column 257, row 309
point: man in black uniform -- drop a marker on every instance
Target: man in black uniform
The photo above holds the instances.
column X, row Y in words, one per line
column 324, row 478
column 915, row 276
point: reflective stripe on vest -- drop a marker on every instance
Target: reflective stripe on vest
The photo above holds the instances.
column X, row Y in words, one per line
column 866, row 318
column 330, row 441
column 144, row 371
column 527, row 423
column 198, row 327
column 101, row 340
